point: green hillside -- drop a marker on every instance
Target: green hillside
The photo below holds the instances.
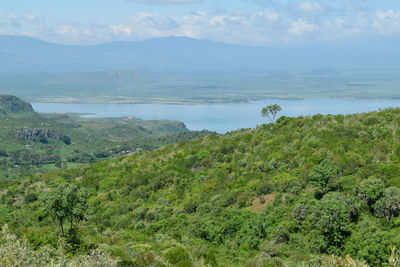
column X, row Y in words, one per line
column 284, row 194
column 11, row 104
column 31, row 142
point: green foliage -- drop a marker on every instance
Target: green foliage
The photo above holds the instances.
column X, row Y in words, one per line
column 67, row 204
column 321, row 175
column 16, row 252
column 271, row 111
column 371, row 190
column 30, row 197
column 11, row 104
column 332, row 217
column 277, row 195
column 178, row 257
column 372, row 242
column 389, row 205
column 34, row 143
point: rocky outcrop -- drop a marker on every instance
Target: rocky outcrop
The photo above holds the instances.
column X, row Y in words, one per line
column 40, row 135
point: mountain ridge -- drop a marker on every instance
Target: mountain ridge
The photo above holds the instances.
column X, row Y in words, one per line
column 184, row 54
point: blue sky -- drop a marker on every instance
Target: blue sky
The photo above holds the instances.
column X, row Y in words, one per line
column 247, row 22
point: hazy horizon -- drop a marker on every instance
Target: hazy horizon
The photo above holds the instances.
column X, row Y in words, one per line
column 244, row 22
column 199, row 50
column 380, row 40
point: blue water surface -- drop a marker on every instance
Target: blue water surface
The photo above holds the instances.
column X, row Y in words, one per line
column 219, row 117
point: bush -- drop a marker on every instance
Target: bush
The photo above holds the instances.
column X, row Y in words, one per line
column 389, row 205
column 332, row 217
column 322, row 174
column 178, row 256
column 371, row 190
column 30, row 197
column 372, row 245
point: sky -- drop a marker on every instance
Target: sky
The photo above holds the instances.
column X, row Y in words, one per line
column 243, row 22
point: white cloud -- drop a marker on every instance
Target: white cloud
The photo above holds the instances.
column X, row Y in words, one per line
column 266, row 15
column 301, row 27
column 306, row 21
column 387, row 22
column 66, row 29
column 121, row 29
column 309, row 6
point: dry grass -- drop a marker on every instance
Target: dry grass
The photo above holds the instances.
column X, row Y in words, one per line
column 17, row 253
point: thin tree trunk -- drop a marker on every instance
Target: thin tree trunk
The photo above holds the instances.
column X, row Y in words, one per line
column 62, row 228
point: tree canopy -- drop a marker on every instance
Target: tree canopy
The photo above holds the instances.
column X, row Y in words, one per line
column 271, row 111
column 67, row 204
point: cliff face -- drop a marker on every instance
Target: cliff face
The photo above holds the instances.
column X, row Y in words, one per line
column 12, row 104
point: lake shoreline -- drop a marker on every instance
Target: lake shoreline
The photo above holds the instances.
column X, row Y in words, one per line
column 189, row 102
column 219, row 118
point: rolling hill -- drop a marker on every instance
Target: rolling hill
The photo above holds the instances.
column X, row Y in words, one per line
column 285, row 194
column 32, row 142
column 12, row 105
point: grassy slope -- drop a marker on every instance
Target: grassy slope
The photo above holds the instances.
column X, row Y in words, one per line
column 252, row 197
column 11, row 104
column 91, row 140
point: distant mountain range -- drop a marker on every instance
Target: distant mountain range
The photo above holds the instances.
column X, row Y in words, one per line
column 180, row 54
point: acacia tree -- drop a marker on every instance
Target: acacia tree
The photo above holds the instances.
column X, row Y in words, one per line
column 271, row 111
column 67, row 206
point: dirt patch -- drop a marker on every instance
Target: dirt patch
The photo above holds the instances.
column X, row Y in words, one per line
column 263, row 201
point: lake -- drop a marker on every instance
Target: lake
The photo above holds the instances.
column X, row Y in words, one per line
column 219, row 117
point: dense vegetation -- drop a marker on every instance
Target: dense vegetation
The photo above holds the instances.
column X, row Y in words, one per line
column 32, row 142
column 16, row 252
column 288, row 193
column 11, row 104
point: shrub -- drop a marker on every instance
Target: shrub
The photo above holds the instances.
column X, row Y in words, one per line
column 17, row 252
column 389, row 205
column 178, row 256
column 30, row 197
column 322, row 174
column 371, row 190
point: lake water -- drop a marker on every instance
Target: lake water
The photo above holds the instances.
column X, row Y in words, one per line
column 220, row 117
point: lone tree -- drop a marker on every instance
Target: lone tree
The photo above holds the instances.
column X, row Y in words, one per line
column 67, row 206
column 271, row 111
